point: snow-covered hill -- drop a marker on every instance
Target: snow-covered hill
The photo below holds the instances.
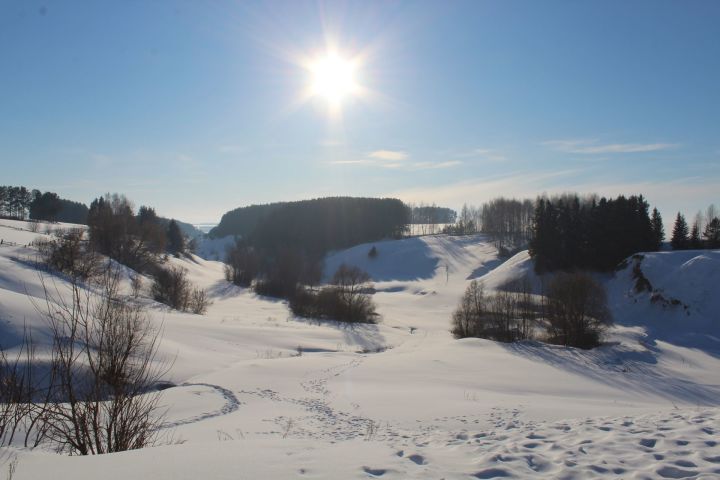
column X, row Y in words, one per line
column 261, row 394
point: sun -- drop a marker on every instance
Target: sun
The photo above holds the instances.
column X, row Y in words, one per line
column 333, row 78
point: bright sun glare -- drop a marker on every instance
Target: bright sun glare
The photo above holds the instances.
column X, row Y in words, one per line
column 333, row 78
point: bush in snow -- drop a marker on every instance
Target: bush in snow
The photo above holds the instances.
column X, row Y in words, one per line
column 172, row 288
column 67, row 252
column 345, row 300
column 576, row 310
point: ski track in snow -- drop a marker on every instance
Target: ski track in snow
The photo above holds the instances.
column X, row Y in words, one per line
column 231, row 404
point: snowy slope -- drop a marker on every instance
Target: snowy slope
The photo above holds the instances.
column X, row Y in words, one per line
column 260, row 394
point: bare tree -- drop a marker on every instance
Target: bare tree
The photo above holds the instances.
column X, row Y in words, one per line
column 351, row 284
column 469, row 319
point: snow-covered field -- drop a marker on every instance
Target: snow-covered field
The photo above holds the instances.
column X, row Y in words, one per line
column 262, row 395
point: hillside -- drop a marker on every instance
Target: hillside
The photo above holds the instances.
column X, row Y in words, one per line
column 259, row 393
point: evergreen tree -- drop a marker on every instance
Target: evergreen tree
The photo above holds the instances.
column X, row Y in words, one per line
column 679, row 240
column 175, row 239
column 658, row 231
column 712, row 233
column 695, row 243
column 44, row 206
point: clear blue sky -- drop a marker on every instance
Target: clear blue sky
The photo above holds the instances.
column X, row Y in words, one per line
column 194, row 107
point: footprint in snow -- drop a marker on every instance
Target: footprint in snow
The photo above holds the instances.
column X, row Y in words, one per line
column 491, row 473
column 374, row 472
column 673, row 472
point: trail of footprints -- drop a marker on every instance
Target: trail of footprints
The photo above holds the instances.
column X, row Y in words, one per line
column 500, row 444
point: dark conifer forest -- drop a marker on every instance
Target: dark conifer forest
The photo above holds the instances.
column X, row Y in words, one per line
column 316, row 226
column 570, row 232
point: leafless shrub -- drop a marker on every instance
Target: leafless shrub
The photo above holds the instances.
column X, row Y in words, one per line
column 172, row 287
column 103, row 368
column 67, row 252
column 34, row 227
column 505, row 316
column 199, row 301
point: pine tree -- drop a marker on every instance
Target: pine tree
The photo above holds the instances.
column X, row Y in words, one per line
column 658, row 231
column 679, row 239
column 712, row 233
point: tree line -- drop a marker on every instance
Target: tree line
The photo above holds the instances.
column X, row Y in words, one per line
column 139, row 240
column 572, row 232
column 508, row 221
column 429, row 219
column 21, row 203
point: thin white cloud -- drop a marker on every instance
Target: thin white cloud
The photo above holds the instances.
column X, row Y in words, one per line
column 390, row 155
column 487, row 154
column 592, row 147
column 436, row 165
column 363, row 161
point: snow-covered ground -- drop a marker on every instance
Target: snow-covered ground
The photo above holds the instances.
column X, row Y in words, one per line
column 261, row 394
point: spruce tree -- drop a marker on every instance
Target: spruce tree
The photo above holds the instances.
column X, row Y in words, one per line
column 658, row 231
column 679, row 240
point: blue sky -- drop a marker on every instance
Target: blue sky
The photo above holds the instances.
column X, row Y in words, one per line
column 195, row 107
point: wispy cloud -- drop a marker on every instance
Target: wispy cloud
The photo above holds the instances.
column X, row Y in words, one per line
column 398, row 165
column 436, row 165
column 487, row 154
column 390, row 155
column 592, row 147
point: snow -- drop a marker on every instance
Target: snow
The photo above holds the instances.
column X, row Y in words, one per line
column 261, row 394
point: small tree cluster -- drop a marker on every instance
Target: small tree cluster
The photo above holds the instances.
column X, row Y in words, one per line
column 14, row 202
column 345, row 300
column 133, row 240
column 68, row 253
column 506, row 316
column 705, row 231
column 242, row 264
column 576, row 310
column 172, row 287
column 274, row 273
column 573, row 312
